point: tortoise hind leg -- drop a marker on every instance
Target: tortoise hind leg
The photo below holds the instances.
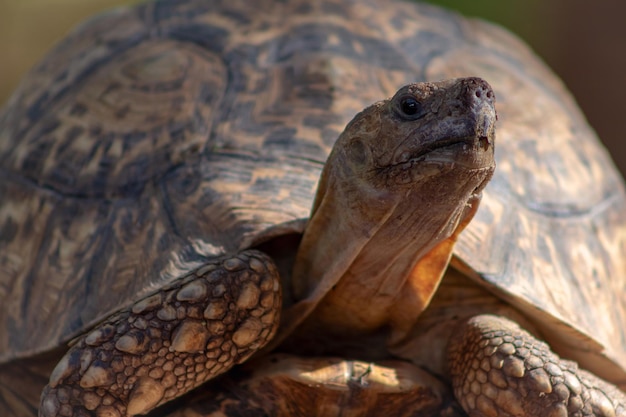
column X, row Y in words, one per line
column 170, row 342
column 498, row 369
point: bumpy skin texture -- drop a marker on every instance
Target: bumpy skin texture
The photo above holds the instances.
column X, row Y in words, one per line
column 170, row 342
column 498, row 369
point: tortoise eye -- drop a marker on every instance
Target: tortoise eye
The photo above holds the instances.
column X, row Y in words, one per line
column 410, row 108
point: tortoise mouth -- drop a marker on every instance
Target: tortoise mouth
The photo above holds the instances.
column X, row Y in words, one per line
column 469, row 152
column 468, row 155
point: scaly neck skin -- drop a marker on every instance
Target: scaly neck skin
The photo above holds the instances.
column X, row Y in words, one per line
column 395, row 192
column 370, row 247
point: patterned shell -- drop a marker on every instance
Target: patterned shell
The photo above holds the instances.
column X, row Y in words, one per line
column 156, row 137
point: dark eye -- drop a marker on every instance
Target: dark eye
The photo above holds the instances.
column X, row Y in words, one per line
column 410, row 107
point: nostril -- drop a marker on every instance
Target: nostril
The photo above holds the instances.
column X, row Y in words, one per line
column 480, row 89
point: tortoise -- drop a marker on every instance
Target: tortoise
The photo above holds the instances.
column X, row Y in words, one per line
column 158, row 170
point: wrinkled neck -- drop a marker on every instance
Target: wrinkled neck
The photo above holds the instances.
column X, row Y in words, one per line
column 342, row 229
column 398, row 255
column 364, row 250
column 374, row 253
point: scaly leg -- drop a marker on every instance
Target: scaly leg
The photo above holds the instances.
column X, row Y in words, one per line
column 170, row 342
column 498, row 369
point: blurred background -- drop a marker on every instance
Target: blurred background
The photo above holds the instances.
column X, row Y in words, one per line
column 584, row 42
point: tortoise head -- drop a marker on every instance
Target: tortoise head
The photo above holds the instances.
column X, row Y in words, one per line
column 408, row 142
column 401, row 182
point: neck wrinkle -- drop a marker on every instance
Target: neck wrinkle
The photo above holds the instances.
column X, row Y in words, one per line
column 329, row 247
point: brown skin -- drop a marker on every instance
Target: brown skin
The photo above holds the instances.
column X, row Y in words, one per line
column 377, row 236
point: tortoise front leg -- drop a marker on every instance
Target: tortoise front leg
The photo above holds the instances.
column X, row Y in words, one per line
column 498, row 369
column 169, row 342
